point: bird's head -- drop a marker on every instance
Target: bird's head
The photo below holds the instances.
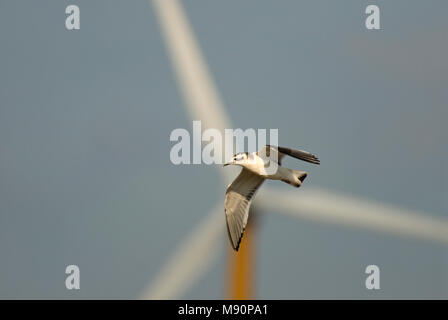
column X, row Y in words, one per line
column 238, row 159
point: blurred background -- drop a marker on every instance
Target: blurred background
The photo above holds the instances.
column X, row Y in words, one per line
column 86, row 115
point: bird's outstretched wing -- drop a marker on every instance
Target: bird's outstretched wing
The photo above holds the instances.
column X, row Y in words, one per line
column 239, row 195
column 298, row 154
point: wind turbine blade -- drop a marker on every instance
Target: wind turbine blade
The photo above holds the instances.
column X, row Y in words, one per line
column 190, row 260
column 328, row 207
column 197, row 252
column 199, row 91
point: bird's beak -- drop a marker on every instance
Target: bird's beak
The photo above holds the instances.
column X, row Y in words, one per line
column 226, row 164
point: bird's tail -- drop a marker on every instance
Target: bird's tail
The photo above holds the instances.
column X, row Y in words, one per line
column 295, row 178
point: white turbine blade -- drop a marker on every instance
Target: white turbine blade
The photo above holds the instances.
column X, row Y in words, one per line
column 328, row 207
column 200, row 93
column 197, row 252
column 190, row 260
column 194, row 78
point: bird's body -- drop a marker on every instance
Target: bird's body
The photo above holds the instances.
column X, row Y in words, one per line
column 256, row 169
column 257, row 165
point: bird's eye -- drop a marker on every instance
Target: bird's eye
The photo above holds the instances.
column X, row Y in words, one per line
column 239, row 156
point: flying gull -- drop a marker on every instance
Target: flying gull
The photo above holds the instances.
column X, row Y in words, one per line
column 240, row 192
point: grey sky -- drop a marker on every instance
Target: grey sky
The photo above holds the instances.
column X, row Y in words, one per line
column 85, row 119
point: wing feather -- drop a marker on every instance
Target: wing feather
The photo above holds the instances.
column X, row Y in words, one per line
column 239, row 196
column 298, row 154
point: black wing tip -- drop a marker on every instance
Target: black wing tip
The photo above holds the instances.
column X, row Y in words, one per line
column 237, row 246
